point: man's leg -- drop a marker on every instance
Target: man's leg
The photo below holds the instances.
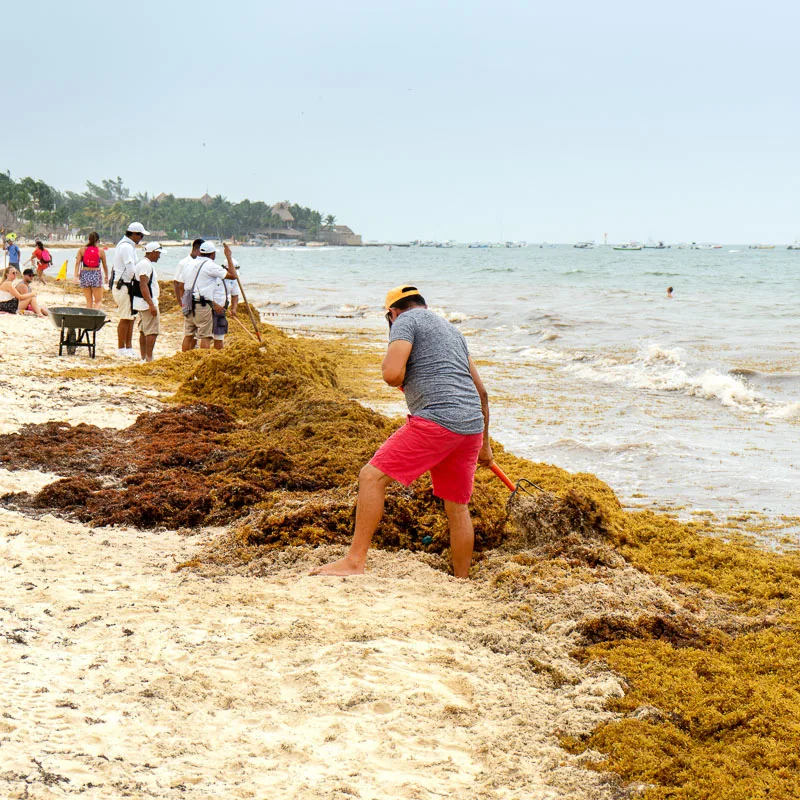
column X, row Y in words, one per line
column 189, row 343
column 142, row 346
column 372, row 485
column 150, row 345
column 462, row 537
column 125, row 334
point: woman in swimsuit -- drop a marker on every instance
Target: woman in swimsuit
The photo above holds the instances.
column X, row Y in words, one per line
column 11, row 297
column 88, row 261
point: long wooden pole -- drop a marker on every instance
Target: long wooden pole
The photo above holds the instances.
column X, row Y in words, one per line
column 244, row 297
column 237, row 320
column 249, row 310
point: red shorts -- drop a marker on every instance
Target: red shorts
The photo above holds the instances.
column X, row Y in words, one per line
column 422, row 446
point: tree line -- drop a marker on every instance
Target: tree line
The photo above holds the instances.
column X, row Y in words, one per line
column 40, row 210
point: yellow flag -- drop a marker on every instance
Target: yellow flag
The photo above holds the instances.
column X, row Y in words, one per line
column 62, row 273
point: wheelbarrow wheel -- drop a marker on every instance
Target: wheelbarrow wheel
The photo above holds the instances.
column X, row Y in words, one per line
column 71, row 342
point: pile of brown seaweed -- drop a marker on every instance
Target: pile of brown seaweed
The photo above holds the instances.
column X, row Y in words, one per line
column 262, row 436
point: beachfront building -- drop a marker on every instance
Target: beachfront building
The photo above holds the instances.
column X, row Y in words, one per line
column 340, row 235
column 283, row 212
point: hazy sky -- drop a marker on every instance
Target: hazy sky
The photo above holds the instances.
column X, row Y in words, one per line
column 467, row 120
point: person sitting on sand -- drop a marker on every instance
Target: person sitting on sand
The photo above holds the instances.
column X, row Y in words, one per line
column 145, row 300
column 200, row 279
column 41, row 259
column 32, row 304
column 87, row 271
column 11, row 298
column 447, row 432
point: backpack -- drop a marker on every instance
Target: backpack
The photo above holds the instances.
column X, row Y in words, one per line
column 136, row 286
column 91, row 257
column 45, row 257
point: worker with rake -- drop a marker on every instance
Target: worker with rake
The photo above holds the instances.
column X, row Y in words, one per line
column 446, row 433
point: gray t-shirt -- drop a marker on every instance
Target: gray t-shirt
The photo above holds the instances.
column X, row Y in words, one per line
column 438, row 384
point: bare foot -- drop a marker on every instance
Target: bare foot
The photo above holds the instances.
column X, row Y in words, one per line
column 344, row 566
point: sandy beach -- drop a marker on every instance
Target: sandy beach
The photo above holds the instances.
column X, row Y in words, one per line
column 160, row 635
column 127, row 678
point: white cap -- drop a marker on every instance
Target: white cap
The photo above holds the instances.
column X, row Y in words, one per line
column 208, row 247
column 151, row 247
column 137, row 227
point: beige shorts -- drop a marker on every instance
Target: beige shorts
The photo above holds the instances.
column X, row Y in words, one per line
column 200, row 324
column 149, row 323
column 123, row 301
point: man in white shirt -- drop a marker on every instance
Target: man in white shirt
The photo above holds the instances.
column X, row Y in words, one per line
column 145, row 300
column 226, row 296
column 201, row 278
column 122, row 278
column 177, row 281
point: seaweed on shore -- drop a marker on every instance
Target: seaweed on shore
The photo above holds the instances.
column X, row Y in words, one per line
column 704, row 632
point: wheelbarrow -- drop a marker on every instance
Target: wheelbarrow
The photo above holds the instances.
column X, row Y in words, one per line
column 78, row 327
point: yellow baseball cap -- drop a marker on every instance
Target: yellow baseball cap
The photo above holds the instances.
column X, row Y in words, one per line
column 398, row 293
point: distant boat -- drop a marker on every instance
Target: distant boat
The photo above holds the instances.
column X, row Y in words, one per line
column 446, row 244
column 762, row 247
column 630, row 246
column 794, row 245
column 696, row 246
column 478, row 246
column 658, row 246
column 516, row 244
column 584, row 245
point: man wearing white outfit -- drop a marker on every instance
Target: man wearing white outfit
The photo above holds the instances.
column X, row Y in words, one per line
column 226, row 297
column 122, row 277
column 145, row 300
column 183, row 264
column 201, row 280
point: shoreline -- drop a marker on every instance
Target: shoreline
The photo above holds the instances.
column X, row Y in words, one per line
column 530, row 660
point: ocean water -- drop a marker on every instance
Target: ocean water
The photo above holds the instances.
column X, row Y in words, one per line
column 692, row 402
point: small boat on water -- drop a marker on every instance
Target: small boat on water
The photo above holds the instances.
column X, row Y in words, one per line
column 762, row 247
column 696, row 246
column 629, row 246
column 478, row 246
column 657, row 246
column 794, row 245
column 584, row 245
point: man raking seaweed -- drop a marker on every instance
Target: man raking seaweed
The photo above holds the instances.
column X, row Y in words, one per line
column 446, row 433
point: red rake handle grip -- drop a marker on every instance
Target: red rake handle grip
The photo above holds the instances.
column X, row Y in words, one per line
column 503, row 477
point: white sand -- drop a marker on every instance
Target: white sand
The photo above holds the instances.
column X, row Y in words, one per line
column 123, row 678
column 32, row 390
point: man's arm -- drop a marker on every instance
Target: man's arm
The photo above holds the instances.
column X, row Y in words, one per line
column 129, row 261
column 485, row 455
column 144, row 285
column 231, row 268
column 394, row 364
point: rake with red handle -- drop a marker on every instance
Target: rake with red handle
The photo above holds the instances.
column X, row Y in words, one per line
column 521, row 485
